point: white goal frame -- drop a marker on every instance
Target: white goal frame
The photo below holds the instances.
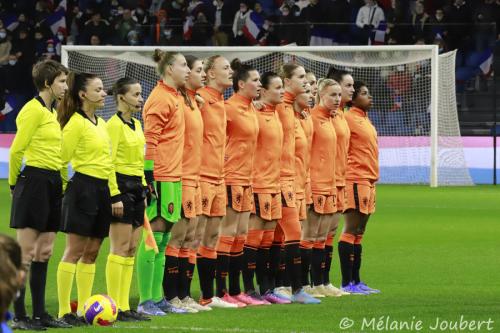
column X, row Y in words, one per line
column 432, row 49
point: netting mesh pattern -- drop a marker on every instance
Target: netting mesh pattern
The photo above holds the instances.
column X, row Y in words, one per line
column 399, row 81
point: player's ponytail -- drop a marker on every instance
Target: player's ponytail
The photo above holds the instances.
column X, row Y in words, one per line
column 240, row 72
column 71, row 102
column 336, row 74
column 190, row 60
column 163, row 59
column 322, row 85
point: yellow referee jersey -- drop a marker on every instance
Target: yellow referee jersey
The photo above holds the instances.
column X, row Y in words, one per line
column 87, row 146
column 38, row 139
column 127, row 153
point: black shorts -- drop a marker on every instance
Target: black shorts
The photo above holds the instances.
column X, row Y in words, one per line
column 132, row 197
column 36, row 201
column 86, row 207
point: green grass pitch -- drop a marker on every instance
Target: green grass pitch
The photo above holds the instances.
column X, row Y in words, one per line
column 434, row 253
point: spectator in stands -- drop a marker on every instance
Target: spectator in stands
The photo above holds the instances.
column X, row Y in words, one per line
column 368, row 18
column 459, row 15
column 222, row 19
column 22, row 86
column 202, row 31
column 96, row 26
column 22, row 24
column 176, row 12
column 397, row 30
column 419, row 21
column 144, row 21
column 24, row 48
column 5, row 47
column 75, row 22
column 125, row 25
column 267, row 35
column 95, row 40
column 239, row 23
column 340, row 15
column 50, row 51
column 286, row 32
column 40, row 44
column 485, row 17
column 437, row 25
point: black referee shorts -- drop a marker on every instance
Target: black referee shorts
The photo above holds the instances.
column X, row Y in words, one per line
column 86, row 207
column 132, row 197
column 36, row 201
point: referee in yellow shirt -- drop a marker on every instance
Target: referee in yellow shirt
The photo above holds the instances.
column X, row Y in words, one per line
column 86, row 207
column 37, row 189
column 127, row 186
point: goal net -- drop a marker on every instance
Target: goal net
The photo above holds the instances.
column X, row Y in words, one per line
column 413, row 91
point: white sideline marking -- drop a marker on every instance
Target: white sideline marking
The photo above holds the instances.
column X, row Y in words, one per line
column 200, row 329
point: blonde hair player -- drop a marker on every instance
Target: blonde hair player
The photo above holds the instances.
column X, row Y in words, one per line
column 213, row 190
column 346, row 82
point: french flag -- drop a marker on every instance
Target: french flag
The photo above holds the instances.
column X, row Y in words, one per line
column 58, row 18
column 188, row 27
column 321, row 36
column 378, row 37
column 252, row 27
column 10, row 22
column 486, row 62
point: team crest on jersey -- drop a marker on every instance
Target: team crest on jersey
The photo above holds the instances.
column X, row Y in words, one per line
column 171, row 208
column 204, row 202
column 189, row 205
column 238, row 198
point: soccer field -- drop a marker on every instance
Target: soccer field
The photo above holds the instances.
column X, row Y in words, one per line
column 434, row 253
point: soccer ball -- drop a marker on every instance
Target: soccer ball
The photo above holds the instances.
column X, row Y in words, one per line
column 100, row 310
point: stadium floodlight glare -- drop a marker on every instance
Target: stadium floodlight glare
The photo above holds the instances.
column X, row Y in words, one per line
column 413, row 89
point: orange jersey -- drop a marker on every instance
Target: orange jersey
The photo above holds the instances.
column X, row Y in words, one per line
column 241, row 140
column 164, row 132
column 214, row 136
column 307, row 125
column 323, row 152
column 193, row 141
column 301, row 155
column 266, row 168
column 343, row 134
column 362, row 156
column 287, row 118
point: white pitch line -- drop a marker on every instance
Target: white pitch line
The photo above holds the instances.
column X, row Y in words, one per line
column 203, row 329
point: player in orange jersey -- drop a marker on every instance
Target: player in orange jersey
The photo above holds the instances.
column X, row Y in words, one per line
column 180, row 255
column 313, row 82
column 294, row 79
column 323, row 155
column 241, row 142
column 303, row 141
column 361, row 176
column 213, row 190
column 343, row 134
column 267, row 194
column 164, row 132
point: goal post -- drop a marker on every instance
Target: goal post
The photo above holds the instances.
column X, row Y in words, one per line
column 413, row 89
